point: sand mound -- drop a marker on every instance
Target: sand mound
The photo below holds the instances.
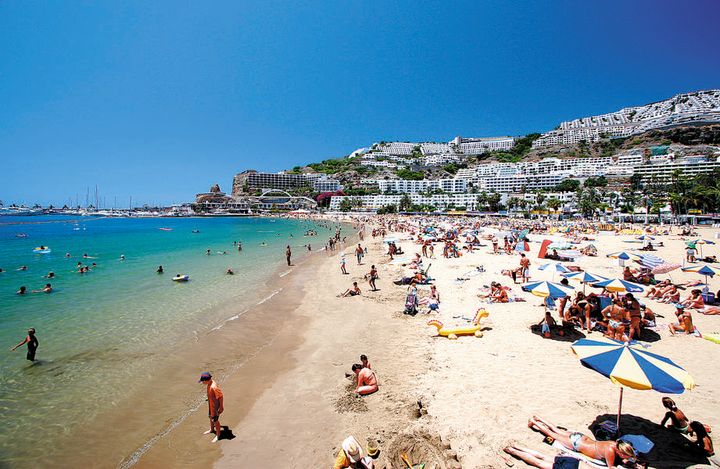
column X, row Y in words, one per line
column 421, row 448
column 350, row 402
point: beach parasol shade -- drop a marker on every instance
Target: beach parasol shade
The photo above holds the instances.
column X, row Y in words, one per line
column 628, row 364
column 584, row 278
column 554, row 267
column 702, row 269
column 624, row 255
column 545, row 289
column 650, row 261
column 619, row 285
column 644, row 237
column 665, row 268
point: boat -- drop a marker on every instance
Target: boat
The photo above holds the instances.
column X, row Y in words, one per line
column 181, row 278
column 165, row 229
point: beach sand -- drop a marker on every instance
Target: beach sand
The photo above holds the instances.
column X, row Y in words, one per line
column 446, row 403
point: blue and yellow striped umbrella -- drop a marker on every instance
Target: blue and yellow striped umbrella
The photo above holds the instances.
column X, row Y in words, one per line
column 624, row 255
column 545, row 289
column 619, row 285
column 706, row 270
column 584, row 278
column 628, row 364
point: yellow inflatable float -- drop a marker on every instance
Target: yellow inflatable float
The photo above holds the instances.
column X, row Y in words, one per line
column 453, row 332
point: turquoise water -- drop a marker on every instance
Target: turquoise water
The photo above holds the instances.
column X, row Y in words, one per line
column 103, row 332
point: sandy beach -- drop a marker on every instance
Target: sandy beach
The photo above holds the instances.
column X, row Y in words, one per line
column 447, row 403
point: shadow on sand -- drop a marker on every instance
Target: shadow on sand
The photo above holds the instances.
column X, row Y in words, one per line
column 671, row 449
column 570, row 334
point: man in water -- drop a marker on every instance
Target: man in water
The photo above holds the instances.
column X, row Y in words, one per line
column 288, row 255
column 32, row 344
column 215, row 404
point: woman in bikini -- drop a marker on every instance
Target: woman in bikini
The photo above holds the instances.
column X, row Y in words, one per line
column 612, row 452
column 678, row 420
column 615, row 315
column 702, row 438
column 543, row 461
column 633, row 308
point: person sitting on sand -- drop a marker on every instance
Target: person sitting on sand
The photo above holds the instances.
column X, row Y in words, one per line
column 685, row 322
column 352, row 291
column 628, row 275
column 615, row 315
column 433, row 297
column 671, row 295
column 702, row 439
column 694, row 300
column 537, row 459
column 612, row 452
column 351, row 455
column 546, row 323
column 656, row 291
column 366, row 380
column 676, row 416
column 365, row 362
column 499, row 295
column 579, row 311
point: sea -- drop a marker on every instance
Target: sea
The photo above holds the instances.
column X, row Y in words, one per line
column 121, row 331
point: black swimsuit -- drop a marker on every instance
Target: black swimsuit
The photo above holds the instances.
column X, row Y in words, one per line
column 32, row 346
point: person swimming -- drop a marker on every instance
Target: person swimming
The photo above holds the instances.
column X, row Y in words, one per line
column 230, row 272
column 22, row 290
column 160, row 270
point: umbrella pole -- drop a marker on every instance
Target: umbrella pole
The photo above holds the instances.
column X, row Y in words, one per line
column 617, row 423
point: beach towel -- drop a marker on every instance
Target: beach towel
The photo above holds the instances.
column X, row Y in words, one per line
column 714, row 337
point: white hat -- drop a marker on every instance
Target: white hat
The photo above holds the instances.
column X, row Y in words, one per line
column 352, row 449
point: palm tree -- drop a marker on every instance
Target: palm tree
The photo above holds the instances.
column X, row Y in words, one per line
column 554, row 204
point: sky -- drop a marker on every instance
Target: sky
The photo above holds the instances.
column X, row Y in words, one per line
column 159, row 100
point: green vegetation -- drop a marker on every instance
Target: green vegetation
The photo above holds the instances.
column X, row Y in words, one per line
column 333, row 166
column 568, row 185
column 404, row 173
column 453, row 168
column 522, row 147
column 596, row 182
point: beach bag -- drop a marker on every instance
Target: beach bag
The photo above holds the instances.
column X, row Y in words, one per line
column 411, row 304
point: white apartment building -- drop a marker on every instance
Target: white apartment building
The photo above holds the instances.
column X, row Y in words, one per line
column 397, row 148
column 686, row 166
column 325, row 184
column 404, row 186
column 520, row 182
column 702, row 106
column 439, row 201
column 437, row 160
column 478, row 146
column 429, row 148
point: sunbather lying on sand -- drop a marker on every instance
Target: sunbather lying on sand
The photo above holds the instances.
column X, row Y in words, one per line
column 537, row 459
column 611, row 452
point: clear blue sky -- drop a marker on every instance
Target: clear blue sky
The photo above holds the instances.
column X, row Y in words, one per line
column 160, row 99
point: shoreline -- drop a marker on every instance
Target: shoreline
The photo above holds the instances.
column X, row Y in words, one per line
column 185, row 445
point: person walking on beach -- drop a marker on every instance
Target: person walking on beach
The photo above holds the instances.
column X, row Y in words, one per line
column 215, row 404
column 342, row 265
column 359, row 253
column 288, row 255
column 372, row 276
column 32, row 344
column 524, row 268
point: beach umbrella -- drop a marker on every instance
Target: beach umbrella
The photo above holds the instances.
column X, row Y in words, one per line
column 390, row 239
column 644, row 237
column 703, row 269
column 624, row 255
column 619, row 285
column 554, row 267
column 665, row 268
column 628, row 364
column 650, row 261
column 544, row 289
column 584, row 278
column 703, row 241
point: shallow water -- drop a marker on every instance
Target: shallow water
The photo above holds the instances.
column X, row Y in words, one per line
column 105, row 334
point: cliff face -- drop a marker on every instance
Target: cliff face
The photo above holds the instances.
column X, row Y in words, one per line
column 690, row 135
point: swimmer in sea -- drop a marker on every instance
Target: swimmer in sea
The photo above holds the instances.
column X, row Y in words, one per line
column 22, row 290
column 122, row 257
column 239, row 245
column 46, row 289
column 32, row 344
column 22, row 268
column 230, row 272
column 207, row 252
column 50, row 275
column 160, row 270
column 67, row 255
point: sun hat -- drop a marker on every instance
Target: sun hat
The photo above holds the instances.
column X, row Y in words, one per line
column 352, row 449
column 205, row 377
